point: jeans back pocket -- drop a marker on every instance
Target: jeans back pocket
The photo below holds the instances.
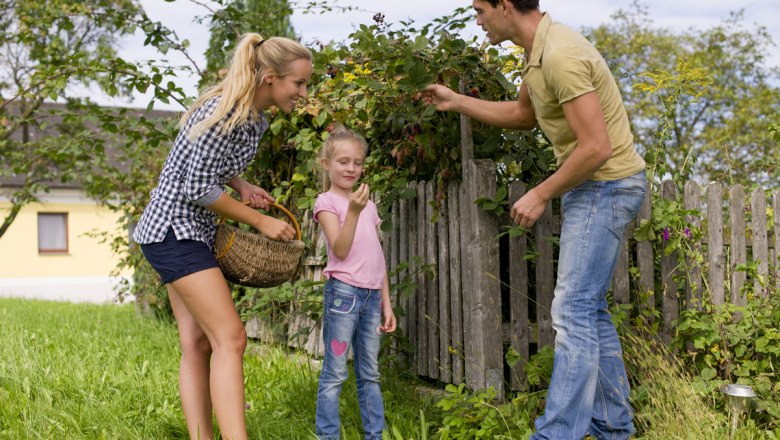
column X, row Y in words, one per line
column 626, row 203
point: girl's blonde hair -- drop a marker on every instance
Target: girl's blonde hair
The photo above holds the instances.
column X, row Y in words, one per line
column 253, row 60
column 339, row 133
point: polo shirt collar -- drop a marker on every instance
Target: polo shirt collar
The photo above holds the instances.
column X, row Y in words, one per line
column 540, row 37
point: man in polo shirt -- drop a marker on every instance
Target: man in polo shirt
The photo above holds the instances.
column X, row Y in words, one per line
column 568, row 89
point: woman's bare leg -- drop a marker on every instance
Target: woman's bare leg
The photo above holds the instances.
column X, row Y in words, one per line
column 193, row 370
column 207, row 297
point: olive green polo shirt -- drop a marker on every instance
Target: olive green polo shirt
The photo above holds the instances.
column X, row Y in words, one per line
column 562, row 66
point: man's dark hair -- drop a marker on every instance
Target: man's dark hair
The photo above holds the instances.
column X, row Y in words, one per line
column 520, row 5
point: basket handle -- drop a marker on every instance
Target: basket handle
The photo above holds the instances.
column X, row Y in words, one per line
column 286, row 212
column 290, row 217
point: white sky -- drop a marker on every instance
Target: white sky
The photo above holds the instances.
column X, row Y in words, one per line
column 678, row 15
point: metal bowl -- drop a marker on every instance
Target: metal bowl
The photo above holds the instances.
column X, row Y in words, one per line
column 738, row 390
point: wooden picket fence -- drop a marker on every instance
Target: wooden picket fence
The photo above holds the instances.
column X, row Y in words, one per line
column 474, row 294
column 486, row 296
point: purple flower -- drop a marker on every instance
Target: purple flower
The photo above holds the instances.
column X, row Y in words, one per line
column 666, row 234
column 688, row 234
column 248, row 406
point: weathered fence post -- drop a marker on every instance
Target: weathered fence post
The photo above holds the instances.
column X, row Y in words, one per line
column 456, row 265
column 670, row 299
column 518, row 296
column 394, row 241
column 403, row 255
column 392, row 252
column 481, row 293
column 760, row 249
column 545, row 277
column 693, row 287
column 432, row 285
column 466, row 284
column 422, row 286
column 737, row 245
column 412, row 249
column 716, row 255
column 645, row 263
column 443, row 265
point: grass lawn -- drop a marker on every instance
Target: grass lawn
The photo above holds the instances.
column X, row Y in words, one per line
column 81, row 371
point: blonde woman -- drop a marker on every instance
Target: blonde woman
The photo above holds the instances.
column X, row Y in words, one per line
column 218, row 138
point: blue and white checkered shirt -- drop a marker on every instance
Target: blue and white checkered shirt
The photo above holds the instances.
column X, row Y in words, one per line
column 194, row 176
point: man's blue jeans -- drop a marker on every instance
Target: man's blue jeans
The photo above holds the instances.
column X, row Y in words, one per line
column 352, row 318
column 589, row 390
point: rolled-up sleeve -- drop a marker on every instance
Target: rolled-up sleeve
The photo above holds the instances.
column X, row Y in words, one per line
column 210, row 197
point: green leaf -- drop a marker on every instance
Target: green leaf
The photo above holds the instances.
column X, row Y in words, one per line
column 276, row 126
column 501, row 194
column 421, row 43
column 708, row 373
column 321, row 119
column 417, row 78
column 512, row 357
column 644, row 232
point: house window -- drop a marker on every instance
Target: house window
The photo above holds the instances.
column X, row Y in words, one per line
column 52, row 232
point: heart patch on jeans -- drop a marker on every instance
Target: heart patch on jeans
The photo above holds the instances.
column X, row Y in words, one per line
column 338, row 347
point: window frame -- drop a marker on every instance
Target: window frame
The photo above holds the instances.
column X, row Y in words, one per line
column 64, row 250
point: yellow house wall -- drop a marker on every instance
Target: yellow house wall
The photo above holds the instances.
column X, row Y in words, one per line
column 86, row 256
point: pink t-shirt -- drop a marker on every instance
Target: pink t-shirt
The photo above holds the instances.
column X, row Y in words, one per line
column 365, row 264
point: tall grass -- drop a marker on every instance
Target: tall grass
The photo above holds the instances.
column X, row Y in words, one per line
column 666, row 402
column 78, row 371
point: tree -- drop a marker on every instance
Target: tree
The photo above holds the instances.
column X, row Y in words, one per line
column 269, row 18
column 39, row 43
column 48, row 50
column 714, row 87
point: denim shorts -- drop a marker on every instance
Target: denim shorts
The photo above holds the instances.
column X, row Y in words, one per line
column 174, row 259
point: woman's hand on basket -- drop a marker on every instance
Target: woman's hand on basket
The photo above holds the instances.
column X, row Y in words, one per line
column 252, row 195
column 275, row 229
column 255, row 196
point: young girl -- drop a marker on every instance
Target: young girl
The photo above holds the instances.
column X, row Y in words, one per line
column 218, row 138
column 357, row 297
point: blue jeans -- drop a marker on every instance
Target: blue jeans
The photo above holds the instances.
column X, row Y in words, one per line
column 589, row 391
column 352, row 315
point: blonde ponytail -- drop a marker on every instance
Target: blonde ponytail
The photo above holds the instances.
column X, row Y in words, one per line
column 253, row 59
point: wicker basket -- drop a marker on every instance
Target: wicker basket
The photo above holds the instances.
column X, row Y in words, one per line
column 254, row 260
